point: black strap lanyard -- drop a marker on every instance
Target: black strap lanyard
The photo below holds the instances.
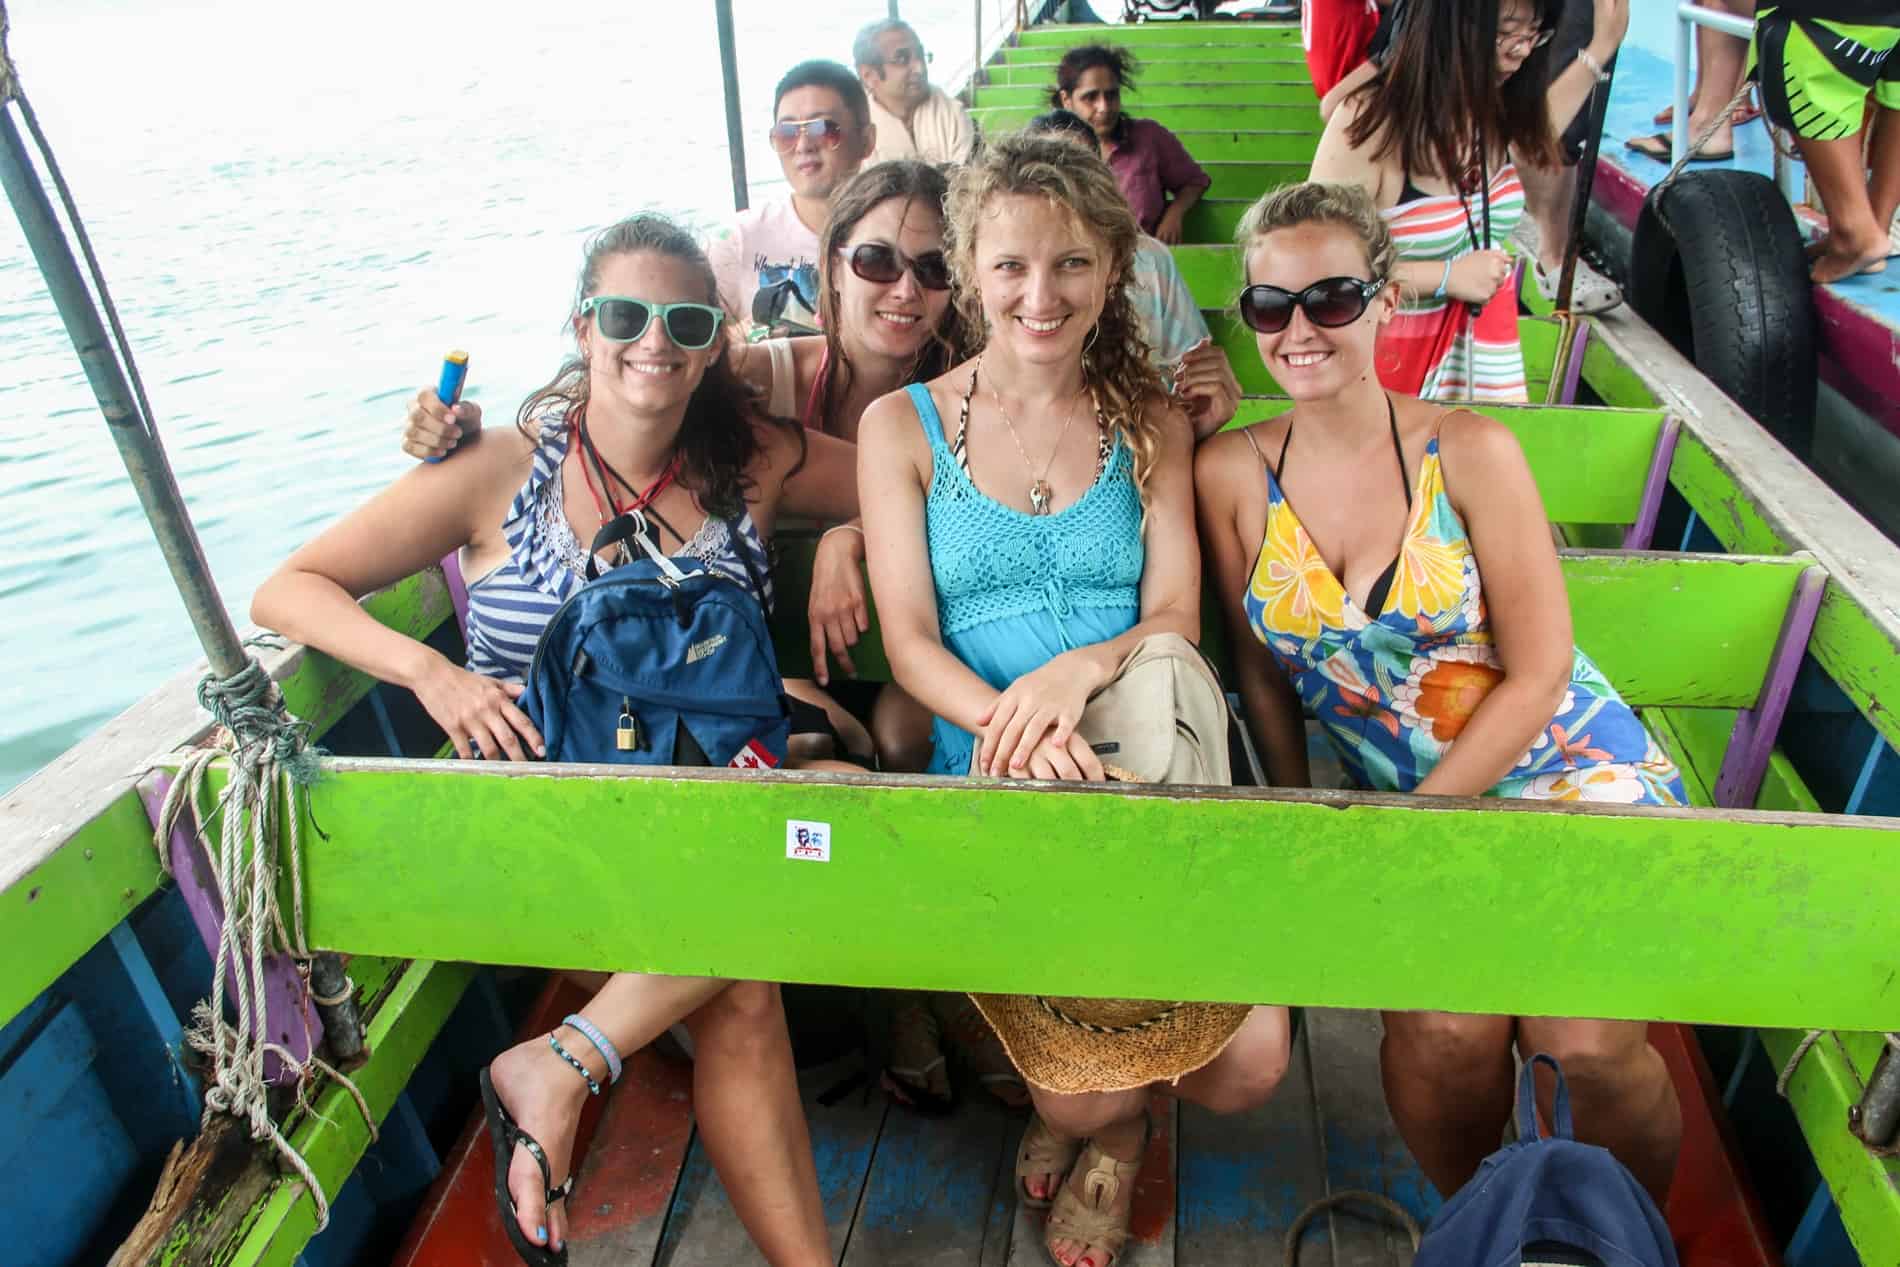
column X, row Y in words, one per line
column 1484, row 204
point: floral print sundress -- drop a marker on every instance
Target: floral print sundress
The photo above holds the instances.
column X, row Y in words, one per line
column 1393, row 689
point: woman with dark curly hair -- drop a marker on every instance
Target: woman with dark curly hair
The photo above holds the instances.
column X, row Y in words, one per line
column 1161, row 182
column 1030, row 519
column 648, row 414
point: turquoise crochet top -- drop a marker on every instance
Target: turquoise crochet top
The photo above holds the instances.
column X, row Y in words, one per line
column 1015, row 590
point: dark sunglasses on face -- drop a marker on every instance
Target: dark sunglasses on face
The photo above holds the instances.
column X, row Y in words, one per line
column 876, row 262
column 825, row 132
column 623, row 320
column 1331, row 302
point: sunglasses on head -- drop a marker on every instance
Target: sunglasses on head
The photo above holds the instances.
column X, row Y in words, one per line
column 623, row 320
column 876, row 262
column 825, row 132
column 1331, row 302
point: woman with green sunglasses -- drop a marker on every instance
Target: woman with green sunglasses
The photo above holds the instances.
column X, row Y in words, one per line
column 649, row 414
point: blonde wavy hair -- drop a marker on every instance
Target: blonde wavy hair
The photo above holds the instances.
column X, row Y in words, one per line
column 1349, row 207
column 1115, row 362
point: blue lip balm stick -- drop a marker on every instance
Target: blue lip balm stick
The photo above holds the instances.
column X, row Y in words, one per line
column 448, row 388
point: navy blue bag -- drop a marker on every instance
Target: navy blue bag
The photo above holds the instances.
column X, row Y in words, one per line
column 650, row 665
column 1547, row 1199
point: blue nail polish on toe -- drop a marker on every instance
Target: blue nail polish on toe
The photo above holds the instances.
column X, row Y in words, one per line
column 540, row 1233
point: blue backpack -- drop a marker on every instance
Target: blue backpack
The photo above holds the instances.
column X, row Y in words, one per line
column 650, row 665
column 1547, row 1199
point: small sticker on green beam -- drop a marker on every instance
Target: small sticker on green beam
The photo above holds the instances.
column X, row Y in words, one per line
column 807, row 842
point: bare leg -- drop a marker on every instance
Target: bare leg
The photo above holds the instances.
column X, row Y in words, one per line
column 544, row 1094
column 901, row 727
column 1722, row 59
column 1856, row 242
column 1115, row 1121
column 851, row 731
column 1884, row 186
column 1550, row 195
column 746, row 1104
column 1249, row 1068
column 1449, row 1084
column 1620, row 1092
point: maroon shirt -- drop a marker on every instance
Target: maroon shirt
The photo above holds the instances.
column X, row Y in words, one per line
column 1151, row 163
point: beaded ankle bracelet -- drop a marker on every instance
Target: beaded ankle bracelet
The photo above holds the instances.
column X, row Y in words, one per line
column 602, row 1044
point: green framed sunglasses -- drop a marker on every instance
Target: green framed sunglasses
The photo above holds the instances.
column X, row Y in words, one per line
column 623, row 320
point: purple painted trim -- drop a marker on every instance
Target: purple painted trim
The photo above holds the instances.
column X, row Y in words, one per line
column 1752, row 741
column 1619, row 193
column 285, row 996
column 1860, row 356
column 1642, row 533
column 1573, row 373
column 458, row 589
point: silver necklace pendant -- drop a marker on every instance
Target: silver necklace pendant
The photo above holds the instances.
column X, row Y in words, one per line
column 1039, row 494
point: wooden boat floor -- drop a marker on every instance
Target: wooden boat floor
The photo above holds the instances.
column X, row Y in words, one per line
column 899, row 1188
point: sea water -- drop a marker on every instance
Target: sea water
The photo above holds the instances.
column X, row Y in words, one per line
column 299, row 209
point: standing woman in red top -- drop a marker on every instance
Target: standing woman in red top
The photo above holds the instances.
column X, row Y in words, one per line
column 1157, row 177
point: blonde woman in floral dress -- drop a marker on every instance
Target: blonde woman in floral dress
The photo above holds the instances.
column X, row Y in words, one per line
column 1347, row 539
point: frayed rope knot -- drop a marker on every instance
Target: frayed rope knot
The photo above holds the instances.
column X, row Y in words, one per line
column 267, row 750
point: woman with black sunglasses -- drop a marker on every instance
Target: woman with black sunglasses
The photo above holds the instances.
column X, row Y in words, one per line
column 648, row 415
column 1436, row 137
column 1348, row 537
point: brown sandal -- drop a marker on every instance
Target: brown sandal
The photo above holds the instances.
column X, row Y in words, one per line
column 1086, row 1218
column 1043, row 1152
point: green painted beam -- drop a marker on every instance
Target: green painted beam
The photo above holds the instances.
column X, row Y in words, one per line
column 1142, row 37
column 1296, row 120
column 1179, row 60
column 1309, row 898
column 1212, row 274
column 61, row 908
column 321, row 689
column 1829, row 1081
column 1832, row 1076
column 1250, row 147
column 1239, row 95
column 332, row 1136
column 1614, row 382
column 1279, row 73
column 1215, row 219
column 1589, row 463
column 1248, row 181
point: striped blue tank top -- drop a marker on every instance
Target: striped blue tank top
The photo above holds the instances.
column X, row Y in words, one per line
column 510, row 606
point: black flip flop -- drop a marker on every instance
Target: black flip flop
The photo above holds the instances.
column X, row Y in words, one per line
column 503, row 1135
column 1661, row 147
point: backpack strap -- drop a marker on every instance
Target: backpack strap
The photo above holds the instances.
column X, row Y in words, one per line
column 631, row 526
column 740, row 548
column 1561, row 1125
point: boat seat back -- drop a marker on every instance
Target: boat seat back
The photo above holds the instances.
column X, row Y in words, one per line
column 1678, row 630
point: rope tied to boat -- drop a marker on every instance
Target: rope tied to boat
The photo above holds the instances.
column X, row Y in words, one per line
column 1695, row 147
column 272, row 765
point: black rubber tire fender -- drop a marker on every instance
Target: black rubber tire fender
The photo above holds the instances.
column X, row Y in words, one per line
column 1717, row 265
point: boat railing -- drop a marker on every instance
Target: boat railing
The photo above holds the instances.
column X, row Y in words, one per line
column 1689, row 16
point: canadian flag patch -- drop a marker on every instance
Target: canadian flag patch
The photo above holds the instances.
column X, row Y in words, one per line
column 754, row 756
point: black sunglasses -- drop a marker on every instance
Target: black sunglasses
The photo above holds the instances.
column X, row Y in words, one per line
column 623, row 320
column 1330, row 302
column 876, row 262
column 826, row 132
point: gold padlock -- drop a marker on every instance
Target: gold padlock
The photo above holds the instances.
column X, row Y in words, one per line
column 627, row 734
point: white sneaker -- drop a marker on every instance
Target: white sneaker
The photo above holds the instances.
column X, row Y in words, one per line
column 1590, row 291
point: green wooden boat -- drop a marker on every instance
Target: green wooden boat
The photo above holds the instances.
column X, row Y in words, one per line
column 1757, row 915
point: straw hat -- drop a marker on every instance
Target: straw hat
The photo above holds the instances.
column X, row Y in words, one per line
column 1070, row 1045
